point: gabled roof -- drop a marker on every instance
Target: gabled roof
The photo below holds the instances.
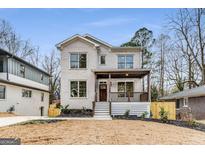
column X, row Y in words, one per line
column 96, row 42
column 77, row 36
column 92, row 38
column 4, row 52
column 195, row 92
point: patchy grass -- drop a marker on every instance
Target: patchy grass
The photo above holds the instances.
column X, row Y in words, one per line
column 102, row 132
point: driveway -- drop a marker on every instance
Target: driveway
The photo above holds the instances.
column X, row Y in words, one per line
column 5, row 121
column 103, row 132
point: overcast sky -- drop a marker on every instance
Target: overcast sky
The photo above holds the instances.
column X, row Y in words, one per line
column 47, row 27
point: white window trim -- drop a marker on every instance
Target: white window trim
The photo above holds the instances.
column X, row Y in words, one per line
column 185, row 102
column 78, row 63
column 125, row 60
column 100, row 59
column 78, row 90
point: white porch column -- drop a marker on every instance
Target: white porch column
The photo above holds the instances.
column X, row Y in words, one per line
column 109, row 87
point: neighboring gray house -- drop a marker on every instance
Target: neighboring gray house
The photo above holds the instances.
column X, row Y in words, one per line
column 96, row 75
column 22, row 86
column 193, row 98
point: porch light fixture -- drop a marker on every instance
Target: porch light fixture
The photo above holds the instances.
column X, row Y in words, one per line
column 126, row 74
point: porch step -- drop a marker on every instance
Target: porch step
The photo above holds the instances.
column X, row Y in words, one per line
column 102, row 111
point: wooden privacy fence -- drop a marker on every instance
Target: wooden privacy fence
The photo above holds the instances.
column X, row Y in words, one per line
column 53, row 111
column 168, row 106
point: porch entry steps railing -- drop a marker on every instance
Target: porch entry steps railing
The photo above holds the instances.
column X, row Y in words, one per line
column 102, row 110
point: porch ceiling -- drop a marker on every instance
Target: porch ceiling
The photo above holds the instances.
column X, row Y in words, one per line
column 121, row 73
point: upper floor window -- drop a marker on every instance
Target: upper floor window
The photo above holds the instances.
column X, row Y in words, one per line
column 41, row 77
column 22, row 70
column 102, row 60
column 26, row 93
column 1, row 65
column 78, row 60
column 2, row 92
column 78, row 88
column 125, row 61
column 42, row 97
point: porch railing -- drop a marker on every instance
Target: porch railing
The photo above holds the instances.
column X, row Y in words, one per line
column 128, row 96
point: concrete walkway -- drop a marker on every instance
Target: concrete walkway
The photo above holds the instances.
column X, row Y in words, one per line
column 6, row 121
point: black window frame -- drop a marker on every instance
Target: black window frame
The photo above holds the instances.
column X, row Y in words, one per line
column 78, row 92
column 26, row 93
column 4, row 92
column 80, row 64
column 102, row 62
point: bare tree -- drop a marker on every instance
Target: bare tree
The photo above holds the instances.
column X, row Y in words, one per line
column 51, row 64
column 12, row 42
column 163, row 46
column 189, row 24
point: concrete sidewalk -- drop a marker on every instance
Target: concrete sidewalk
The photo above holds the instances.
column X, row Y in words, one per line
column 6, row 121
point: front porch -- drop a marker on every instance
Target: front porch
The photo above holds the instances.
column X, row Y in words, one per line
column 123, row 90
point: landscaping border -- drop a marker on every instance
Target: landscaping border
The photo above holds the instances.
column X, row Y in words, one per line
column 186, row 124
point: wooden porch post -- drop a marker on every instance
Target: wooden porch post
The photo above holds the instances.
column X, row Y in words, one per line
column 148, row 87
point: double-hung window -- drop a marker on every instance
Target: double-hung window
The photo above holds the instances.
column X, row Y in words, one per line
column 102, row 59
column 78, row 60
column 125, row 61
column 26, row 93
column 125, row 89
column 2, row 92
column 78, row 89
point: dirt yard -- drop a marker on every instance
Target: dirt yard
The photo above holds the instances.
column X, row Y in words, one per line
column 5, row 114
column 103, row 132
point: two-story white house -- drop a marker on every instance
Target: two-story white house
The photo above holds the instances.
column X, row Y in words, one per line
column 99, row 76
column 23, row 86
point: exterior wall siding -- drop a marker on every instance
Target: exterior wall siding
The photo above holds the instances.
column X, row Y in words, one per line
column 24, row 106
column 30, row 73
column 87, row 75
column 197, row 105
column 135, row 108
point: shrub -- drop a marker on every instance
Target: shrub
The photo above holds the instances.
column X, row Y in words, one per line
column 192, row 123
column 11, row 109
column 163, row 115
column 144, row 114
column 127, row 113
column 65, row 109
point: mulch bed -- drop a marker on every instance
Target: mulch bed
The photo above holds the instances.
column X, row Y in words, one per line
column 187, row 124
column 77, row 113
column 47, row 121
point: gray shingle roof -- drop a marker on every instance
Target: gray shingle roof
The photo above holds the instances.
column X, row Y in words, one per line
column 195, row 92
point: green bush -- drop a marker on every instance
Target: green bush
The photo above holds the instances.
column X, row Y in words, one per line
column 65, row 109
column 11, row 109
column 163, row 115
column 127, row 113
column 144, row 114
column 192, row 123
